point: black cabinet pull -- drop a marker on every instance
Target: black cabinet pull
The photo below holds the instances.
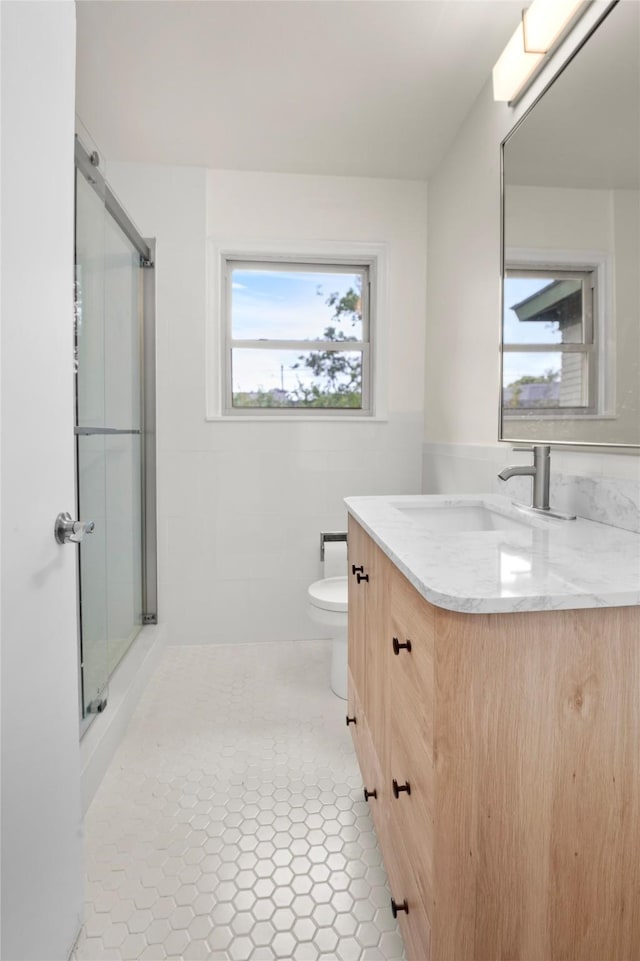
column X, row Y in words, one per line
column 362, row 577
column 351, row 720
column 395, row 907
column 368, row 794
column 354, row 569
column 399, row 788
column 397, row 646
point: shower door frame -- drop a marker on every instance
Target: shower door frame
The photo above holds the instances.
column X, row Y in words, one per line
column 146, row 250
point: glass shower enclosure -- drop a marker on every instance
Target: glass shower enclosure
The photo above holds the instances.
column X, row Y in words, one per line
column 114, row 429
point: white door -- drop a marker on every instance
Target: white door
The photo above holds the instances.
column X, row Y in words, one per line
column 41, row 880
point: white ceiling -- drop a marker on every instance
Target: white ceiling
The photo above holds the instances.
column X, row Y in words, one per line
column 350, row 87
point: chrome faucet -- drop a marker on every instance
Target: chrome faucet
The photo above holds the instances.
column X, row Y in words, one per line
column 539, row 470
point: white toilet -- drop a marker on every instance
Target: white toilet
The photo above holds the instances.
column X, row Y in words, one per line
column 328, row 607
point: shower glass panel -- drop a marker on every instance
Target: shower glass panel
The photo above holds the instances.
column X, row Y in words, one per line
column 90, row 449
column 109, row 438
column 123, row 455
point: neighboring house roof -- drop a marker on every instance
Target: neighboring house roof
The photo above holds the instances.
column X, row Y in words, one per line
column 533, row 395
column 559, row 301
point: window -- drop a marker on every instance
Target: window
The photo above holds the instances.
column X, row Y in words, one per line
column 298, row 335
column 550, row 356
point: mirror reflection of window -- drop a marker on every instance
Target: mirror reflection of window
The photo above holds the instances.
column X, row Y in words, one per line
column 550, row 357
column 571, row 200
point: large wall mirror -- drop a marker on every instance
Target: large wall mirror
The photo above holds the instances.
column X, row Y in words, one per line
column 570, row 370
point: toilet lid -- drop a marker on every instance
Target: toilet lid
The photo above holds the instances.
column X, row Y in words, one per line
column 329, row 594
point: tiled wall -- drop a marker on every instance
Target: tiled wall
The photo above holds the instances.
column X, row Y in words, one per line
column 599, row 486
column 241, row 505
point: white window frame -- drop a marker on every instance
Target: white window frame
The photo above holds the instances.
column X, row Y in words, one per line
column 325, row 255
column 601, row 356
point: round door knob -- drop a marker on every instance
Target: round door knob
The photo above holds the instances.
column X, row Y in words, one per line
column 368, row 794
column 350, row 720
column 66, row 530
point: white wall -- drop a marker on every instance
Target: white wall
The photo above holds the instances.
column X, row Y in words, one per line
column 41, row 843
column 463, row 303
column 241, row 505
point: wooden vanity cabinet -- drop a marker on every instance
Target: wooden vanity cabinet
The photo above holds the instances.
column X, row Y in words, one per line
column 519, row 737
column 392, row 719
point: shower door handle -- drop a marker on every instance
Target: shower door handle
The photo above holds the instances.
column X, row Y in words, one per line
column 67, row 530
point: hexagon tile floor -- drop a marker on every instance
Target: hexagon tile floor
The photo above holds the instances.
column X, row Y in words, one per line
column 231, row 824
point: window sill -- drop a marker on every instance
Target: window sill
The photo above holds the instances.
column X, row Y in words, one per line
column 284, row 419
column 540, row 415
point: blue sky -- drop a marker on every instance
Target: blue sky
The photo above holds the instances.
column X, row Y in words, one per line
column 518, row 365
column 282, row 305
column 291, row 305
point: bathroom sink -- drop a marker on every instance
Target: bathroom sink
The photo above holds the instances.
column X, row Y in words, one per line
column 459, row 519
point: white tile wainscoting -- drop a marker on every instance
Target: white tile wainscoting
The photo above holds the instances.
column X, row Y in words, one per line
column 231, row 823
column 241, row 504
column 240, row 527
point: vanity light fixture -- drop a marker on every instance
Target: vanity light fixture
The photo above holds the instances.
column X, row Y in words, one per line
column 541, row 26
column 514, row 67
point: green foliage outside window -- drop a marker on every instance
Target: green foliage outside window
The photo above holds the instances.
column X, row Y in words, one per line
column 337, row 374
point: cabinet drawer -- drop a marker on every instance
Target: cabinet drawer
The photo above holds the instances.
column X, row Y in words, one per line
column 410, row 741
column 404, row 884
column 411, row 812
column 412, row 651
column 370, row 769
column 410, row 664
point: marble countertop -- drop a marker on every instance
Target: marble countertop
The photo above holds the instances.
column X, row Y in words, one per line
column 542, row 564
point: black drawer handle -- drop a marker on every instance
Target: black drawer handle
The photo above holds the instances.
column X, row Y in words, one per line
column 362, row 577
column 395, row 907
column 351, row 720
column 368, row 794
column 399, row 788
column 397, row 646
column 354, row 569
